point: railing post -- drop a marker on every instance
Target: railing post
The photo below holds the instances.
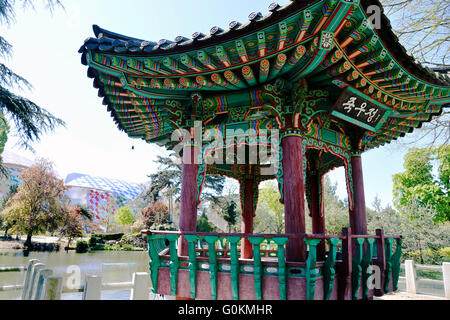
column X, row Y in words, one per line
column 329, row 271
column 155, row 262
column 345, row 269
column 396, row 264
column 191, row 239
column 381, row 260
column 213, row 266
column 311, row 272
column 53, row 288
column 26, row 283
column 92, row 288
column 357, row 268
column 257, row 265
column 40, row 281
column 140, row 286
column 33, row 280
column 388, row 256
column 411, row 277
column 446, row 274
column 281, row 243
column 367, row 267
column 234, row 266
column 174, row 262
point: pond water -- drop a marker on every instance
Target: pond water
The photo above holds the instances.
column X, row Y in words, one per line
column 113, row 266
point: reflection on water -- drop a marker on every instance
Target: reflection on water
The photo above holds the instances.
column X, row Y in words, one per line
column 113, row 266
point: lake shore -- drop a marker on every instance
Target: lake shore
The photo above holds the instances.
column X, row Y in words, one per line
column 14, row 242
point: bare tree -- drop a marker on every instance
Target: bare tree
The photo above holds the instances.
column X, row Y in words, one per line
column 423, row 26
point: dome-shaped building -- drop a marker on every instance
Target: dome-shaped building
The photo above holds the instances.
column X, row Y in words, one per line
column 14, row 164
column 103, row 196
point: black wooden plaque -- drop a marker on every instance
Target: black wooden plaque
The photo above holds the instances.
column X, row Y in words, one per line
column 360, row 109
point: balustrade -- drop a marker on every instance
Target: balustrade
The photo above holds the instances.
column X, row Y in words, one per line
column 218, row 254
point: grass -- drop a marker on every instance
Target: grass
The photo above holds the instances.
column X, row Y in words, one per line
column 429, row 274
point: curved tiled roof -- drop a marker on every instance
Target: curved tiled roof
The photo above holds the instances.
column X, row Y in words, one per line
column 108, row 41
column 172, row 70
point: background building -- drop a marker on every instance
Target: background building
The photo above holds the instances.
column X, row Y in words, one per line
column 103, row 196
column 14, row 164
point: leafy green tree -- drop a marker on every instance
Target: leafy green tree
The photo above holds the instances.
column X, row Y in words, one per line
column 124, row 216
column 3, row 223
column 423, row 238
column 270, row 212
column 38, row 205
column 230, row 215
column 335, row 209
column 203, row 224
column 418, row 184
column 31, row 120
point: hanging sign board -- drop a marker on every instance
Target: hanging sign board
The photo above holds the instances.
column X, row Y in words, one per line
column 360, row 110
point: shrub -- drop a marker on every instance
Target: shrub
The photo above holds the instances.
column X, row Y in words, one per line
column 81, row 247
column 127, row 247
column 112, row 247
column 103, row 237
column 99, row 246
column 134, row 239
column 430, row 256
column 164, row 227
column 445, row 253
column 203, row 224
column 155, row 213
column 93, row 241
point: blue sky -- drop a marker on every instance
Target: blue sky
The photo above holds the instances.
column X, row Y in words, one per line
column 45, row 53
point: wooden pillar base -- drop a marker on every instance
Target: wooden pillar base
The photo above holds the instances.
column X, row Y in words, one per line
column 183, row 298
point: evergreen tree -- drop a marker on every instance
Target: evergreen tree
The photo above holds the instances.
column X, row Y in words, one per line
column 30, row 120
column 168, row 179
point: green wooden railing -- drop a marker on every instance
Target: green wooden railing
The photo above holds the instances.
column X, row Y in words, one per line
column 219, row 253
column 362, row 263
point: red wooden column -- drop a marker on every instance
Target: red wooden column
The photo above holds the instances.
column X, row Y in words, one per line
column 358, row 220
column 317, row 213
column 293, row 191
column 247, row 216
column 188, row 208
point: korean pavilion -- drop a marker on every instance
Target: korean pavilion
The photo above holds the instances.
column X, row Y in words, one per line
column 328, row 83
